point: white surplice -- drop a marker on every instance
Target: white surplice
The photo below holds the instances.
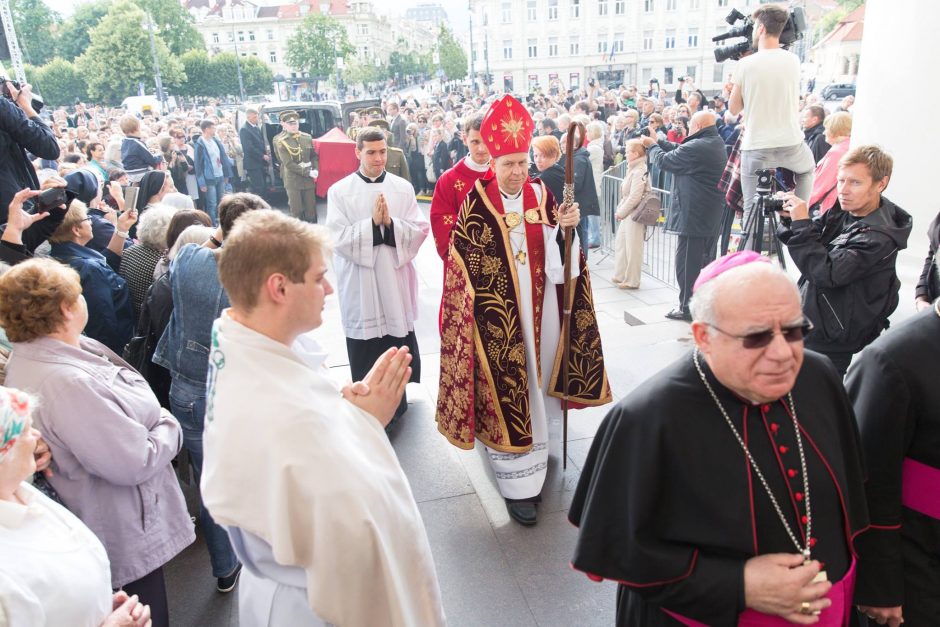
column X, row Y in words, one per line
column 521, row 475
column 309, row 486
column 377, row 285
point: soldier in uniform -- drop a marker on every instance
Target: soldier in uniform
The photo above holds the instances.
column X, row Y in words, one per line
column 298, row 167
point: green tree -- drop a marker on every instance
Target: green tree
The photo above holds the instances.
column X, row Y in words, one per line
column 362, row 71
column 198, row 71
column 829, row 21
column 174, row 25
column 224, row 75
column 59, row 83
column 453, row 58
column 311, row 48
column 119, row 58
column 258, row 76
column 75, row 32
column 35, row 25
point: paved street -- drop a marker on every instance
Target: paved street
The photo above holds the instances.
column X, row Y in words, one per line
column 492, row 571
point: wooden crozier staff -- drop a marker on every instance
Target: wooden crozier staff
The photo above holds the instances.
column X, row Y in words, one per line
column 574, row 140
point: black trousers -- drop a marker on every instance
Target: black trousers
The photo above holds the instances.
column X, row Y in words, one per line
column 692, row 254
column 256, row 181
column 364, row 353
column 151, row 590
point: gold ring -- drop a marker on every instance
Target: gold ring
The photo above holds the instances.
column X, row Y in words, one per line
column 805, row 608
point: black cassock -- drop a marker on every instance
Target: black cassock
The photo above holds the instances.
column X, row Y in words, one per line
column 669, row 507
column 895, row 387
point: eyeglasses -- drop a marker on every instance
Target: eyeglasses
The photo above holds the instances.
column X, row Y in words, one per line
column 760, row 339
column 88, row 219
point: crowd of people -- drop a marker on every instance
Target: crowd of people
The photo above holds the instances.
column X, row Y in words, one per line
column 161, row 335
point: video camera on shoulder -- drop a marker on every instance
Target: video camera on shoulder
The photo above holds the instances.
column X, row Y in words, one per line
column 792, row 32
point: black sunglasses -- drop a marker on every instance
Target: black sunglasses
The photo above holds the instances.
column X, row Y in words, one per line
column 760, row 339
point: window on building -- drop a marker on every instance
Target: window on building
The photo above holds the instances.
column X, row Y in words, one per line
column 553, row 46
column 364, row 53
column 645, row 75
column 270, row 35
column 618, row 42
column 691, row 71
column 670, row 38
column 241, row 35
column 251, row 35
column 362, row 29
column 231, row 36
column 695, row 5
column 533, row 48
column 672, row 5
column 574, row 46
column 648, row 6
column 718, row 72
column 531, row 13
column 722, row 3
column 667, row 76
column 552, row 9
column 507, row 12
column 647, row 40
column 215, row 38
column 272, row 56
column 602, row 44
column 575, row 9
column 619, row 7
column 693, row 37
column 602, row 7
column 507, row 48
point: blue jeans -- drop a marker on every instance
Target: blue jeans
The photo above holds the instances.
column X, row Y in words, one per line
column 215, row 189
column 594, row 230
column 188, row 405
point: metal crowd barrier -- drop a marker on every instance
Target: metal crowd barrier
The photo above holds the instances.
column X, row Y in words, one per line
column 659, row 251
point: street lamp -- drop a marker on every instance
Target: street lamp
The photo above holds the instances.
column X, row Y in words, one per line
column 238, row 64
column 279, row 85
column 157, row 80
column 325, row 10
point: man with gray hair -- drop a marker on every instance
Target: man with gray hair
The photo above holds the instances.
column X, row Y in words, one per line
column 257, row 154
column 717, row 490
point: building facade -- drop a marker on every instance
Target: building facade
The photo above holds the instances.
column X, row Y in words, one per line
column 529, row 43
column 262, row 29
column 837, row 55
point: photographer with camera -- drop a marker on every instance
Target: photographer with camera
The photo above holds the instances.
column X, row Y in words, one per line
column 21, row 130
column 766, row 87
column 847, row 256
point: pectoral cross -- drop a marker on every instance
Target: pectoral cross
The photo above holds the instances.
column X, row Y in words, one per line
column 821, row 575
column 520, row 257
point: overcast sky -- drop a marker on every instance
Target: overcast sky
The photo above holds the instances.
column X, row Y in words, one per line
column 456, row 9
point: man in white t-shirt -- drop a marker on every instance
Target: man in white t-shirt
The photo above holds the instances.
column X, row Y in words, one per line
column 766, row 86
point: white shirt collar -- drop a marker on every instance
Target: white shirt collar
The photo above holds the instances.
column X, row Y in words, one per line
column 473, row 165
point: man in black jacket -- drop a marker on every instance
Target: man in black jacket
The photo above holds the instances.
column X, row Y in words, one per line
column 814, row 134
column 697, row 203
column 847, row 256
column 21, row 130
column 256, row 152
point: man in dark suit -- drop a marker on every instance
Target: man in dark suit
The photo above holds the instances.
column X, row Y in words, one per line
column 257, row 156
column 397, row 124
column 697, row 203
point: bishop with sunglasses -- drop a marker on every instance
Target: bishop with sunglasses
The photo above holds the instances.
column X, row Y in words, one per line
column 727, row 490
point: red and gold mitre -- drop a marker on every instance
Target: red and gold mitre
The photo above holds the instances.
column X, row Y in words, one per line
column 507, row 127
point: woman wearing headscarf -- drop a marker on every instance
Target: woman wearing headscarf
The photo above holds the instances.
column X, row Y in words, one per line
column 54, row 570
column 153, row 187
column 111, row 442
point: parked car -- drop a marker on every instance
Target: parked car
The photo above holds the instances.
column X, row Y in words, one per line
column 836, row 91
column 316, row 118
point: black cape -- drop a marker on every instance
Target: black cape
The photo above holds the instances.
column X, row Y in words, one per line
column 895, row 389
column 669, row 508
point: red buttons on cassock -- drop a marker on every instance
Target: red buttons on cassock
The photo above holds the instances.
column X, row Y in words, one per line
column 812, row 541
column 804, row 520
column 774, row 428
column 792, row 473
column 798, row 496
column 765, row 408
column 783, row 449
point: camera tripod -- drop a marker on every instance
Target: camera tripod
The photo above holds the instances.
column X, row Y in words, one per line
column 753, row 230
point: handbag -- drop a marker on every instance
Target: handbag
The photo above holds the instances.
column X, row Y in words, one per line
column 650, row 207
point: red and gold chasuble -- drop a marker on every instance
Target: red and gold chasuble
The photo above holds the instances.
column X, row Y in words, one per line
column 484, row 387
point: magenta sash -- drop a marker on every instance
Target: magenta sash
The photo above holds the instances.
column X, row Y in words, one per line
column 836, row 615
column 920, row 488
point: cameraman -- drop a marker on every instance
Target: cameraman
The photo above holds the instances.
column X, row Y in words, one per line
column 22, row 129
column 847, row 256
column 766, row 86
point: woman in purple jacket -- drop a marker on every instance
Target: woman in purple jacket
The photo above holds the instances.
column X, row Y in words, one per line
column 111, row 442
